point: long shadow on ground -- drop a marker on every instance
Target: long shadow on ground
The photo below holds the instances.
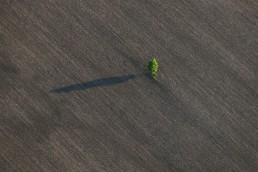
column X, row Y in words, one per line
column 94, row 83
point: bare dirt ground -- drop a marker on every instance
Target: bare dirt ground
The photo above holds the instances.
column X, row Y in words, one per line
column 74, row 95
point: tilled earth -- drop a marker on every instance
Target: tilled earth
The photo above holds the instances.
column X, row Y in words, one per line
column 75, row 96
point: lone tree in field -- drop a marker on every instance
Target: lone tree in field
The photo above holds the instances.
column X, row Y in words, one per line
column 153, row 67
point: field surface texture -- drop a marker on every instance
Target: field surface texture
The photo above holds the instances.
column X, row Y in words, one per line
column 75, row 96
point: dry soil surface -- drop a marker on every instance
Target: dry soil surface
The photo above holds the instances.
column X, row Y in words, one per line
column 75, row 96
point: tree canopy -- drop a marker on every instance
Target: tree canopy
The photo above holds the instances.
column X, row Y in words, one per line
column 153, row 67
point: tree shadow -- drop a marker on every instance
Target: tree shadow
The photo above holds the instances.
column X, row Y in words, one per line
column 94, row 83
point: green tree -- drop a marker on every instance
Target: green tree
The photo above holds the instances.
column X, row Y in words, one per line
column 153, row 67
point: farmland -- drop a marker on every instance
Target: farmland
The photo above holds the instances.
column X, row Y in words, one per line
column 75, row 96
